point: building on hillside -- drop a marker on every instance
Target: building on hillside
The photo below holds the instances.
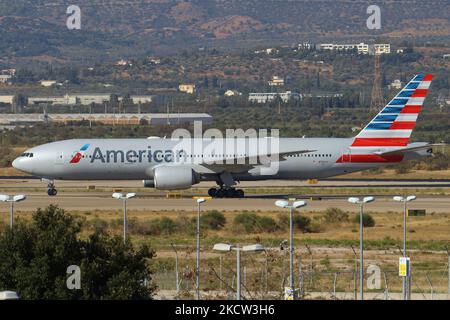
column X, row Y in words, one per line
column 10, row 71
column 380, row 48
column 64, row 100
column 263, row 97
column 84, row 99
column 6, row 99
column 276, row 81
column 304, row 46
column 141, row 99
column 47, row 83
column 396, row 84
column 187, row 88
column 361, row 48
column 232, row 93
column 5, row 78
column 106, row 118
column 267, row 51
column 123, row 62
column 87, row 99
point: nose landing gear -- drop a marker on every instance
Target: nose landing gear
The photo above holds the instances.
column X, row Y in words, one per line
column 51, row 191
column 225, row 192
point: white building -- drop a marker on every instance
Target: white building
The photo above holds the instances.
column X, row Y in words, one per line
column 5, row 78
column 232, row 93
column 187, row 88
column 276, row 81
column 123, row 62
column 396, row 84
column 141, row 99
column 381, row 48
column 304, row 46
column 84, row 99
column 47, row 83
column 8, row 99
column 64, row 100
column 267, row 51
column 361, row 48
column 262, row 97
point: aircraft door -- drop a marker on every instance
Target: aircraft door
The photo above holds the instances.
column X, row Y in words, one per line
column 59, row 160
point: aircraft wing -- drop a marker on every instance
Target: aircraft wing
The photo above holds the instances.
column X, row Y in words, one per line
column 243, row 164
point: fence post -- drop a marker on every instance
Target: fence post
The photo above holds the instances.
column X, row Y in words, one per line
column 386, row 288
column 431, row 286
column 334, row 285
column 311, row 267
column 448, row 269
column 355, row 275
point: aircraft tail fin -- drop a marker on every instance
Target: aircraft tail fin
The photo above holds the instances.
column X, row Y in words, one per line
column 393, row 125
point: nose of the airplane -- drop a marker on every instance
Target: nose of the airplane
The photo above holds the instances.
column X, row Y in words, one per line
column 16, row 164
column 22, row 164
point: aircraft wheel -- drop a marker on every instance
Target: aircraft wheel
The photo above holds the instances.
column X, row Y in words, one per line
column 240, row 193
column 212, row 192
column 230, row 193
column 220, row 193
column 52, row 192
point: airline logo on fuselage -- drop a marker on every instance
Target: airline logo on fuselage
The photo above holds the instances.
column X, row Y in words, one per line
column 136, row 156
column 77, row 157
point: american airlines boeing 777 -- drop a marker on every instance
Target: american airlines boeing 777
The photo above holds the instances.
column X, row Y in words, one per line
column 167, row 164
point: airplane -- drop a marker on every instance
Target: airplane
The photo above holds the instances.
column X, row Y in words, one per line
column 165, row 164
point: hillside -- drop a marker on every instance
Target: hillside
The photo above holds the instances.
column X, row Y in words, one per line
column 36, row 29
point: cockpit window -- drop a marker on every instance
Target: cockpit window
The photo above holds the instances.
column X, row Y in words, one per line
column 27, row 154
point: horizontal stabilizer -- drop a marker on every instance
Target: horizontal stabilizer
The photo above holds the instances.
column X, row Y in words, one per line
column 408, row 149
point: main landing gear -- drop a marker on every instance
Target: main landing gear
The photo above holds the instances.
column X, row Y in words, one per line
column 225, row 192
column 51, row 191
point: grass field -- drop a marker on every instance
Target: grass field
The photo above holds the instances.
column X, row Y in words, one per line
column 329, row 256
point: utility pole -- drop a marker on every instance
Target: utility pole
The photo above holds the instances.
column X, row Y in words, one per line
column 377, row 100
column 361, row 203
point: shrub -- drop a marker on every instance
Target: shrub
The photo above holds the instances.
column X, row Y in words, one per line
column 368, row 220
column 266, row 224
column 301, row 223
column 335, row 215
column 250, row 222
column 99, row 225
column 213, row 220
column 165, row 226
column 403, row 168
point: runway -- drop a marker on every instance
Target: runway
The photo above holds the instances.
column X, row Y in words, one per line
column 102, row 201
column 75, row 195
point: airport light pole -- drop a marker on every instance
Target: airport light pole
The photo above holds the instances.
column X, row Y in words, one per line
column 227, row 248
column 199, row 202
column 12, row 200
column 120, row 196
column 405, row 280
column 294, row 205
column 361, row 203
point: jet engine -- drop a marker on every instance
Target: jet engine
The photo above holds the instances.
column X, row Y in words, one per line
column 174, row 178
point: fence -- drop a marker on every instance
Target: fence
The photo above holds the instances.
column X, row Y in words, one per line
column 317, row 275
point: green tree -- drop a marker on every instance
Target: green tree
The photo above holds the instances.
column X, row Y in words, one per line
column 34, row 258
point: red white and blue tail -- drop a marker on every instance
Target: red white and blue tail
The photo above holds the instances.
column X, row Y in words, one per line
column 392, row 126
